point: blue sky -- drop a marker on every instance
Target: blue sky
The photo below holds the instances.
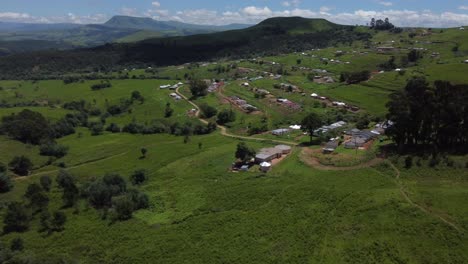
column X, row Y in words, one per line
column 403, row 13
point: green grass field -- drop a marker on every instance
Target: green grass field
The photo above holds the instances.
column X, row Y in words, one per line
column 200, row 212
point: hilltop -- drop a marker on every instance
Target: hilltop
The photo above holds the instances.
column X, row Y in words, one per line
column 270, row 37
column 117, row 29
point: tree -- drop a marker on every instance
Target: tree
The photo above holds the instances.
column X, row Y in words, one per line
column 17, row 244
column 44, row 221
column 168, row 111
column 372, row 23
column 21, row 165
column 70, row 191
column 27, row 126
column 46, row 183
column 138, row 177
column 136, row 95
column 113, row 128
column 144, row 151
column 58, row 221
column 226, row 116
column 244, row 152
column 123, row 207
column 3, row 168
column 53, row 149
column 37, row 198
column 198, row 88
column 208, row 111
column 5, row 183
column 310, row 123
column 17, row 218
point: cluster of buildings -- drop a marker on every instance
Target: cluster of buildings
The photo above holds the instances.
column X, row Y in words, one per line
column 215, row 86
column 325, row 129
column 358, row 138
column 242, row 104
column 266, row 155
column 289, row 104
column 323, row 79
column 171, row 87
column 175, row 96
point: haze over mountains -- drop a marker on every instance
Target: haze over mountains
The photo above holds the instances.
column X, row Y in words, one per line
column 21, row 37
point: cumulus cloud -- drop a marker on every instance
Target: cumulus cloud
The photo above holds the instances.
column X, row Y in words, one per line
column 255, row 14
column 156, row 4
column 463, row 7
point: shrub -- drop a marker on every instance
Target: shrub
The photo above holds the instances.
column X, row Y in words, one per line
column 53, row 149
column 138, row 177
column 58, row 220
column 5, row 183
column 46, row 183
column 17, row 244
column 17, row 218
column 21, row 165
column 226, row 116
column 208, row 111
column 113, row 128
column 408, row 162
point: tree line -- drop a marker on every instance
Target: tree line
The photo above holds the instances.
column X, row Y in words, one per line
column 434, row 117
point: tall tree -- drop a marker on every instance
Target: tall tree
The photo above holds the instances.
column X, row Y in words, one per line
column 310, row 123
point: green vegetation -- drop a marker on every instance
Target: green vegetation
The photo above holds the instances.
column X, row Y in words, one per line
column 127, row 161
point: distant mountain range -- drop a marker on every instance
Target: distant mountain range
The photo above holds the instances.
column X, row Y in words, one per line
column 21, row 37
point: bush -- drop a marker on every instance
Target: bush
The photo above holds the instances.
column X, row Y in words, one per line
column 207, row 111
column 46, row 183
column 226, row 116
column 17, row 218
column 58, row 221
column 53, row 149
column 6, row 184
column 113, row 128
column 17, row 244
column 21, row 165
column 27, row 126
column 138, row 177
column 408, row 162
column 123, row 207
column 96, row 128
column 101, row 85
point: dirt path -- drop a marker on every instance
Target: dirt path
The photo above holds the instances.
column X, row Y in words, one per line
column 425, row 210
column 223, row 129
column 307, row 158
column 72, row 167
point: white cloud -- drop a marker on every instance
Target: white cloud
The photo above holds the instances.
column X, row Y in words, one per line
column 128, row 11
column 255, row 14
column 463, row 7
column 294, row 3
column 156, row 4
column 385, row 3
column 14, row 16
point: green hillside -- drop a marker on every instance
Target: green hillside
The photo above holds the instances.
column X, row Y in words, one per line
column 273, row 36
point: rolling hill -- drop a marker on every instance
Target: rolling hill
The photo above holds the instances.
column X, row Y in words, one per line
column 117, row 29
column 272, row 36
